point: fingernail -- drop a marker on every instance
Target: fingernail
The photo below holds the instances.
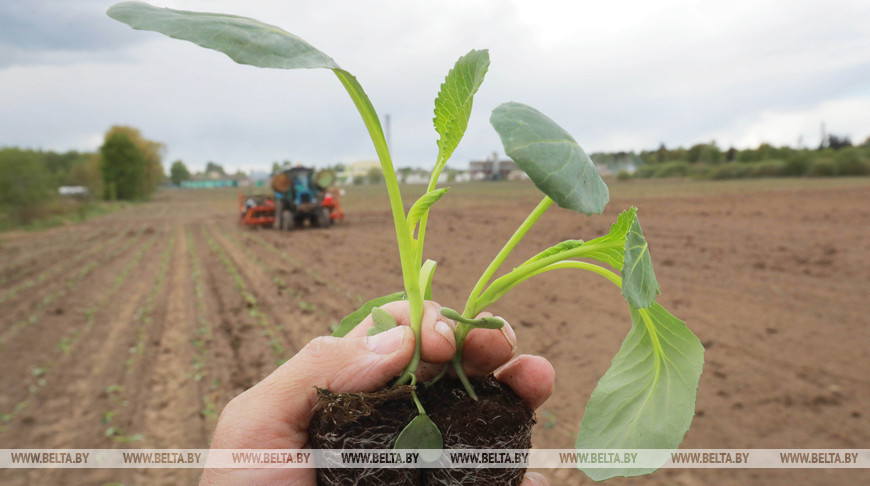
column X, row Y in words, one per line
column 509, row 334
column 444, row 329
column 387, row 342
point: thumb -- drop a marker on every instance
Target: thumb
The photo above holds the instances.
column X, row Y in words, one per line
column 350, row 365
column 288, row 395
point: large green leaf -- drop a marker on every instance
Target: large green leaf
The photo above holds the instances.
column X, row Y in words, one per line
column 639, row 285
column 249, row 41
column 351, row 321
column 552, row 159
column 646, row 400
column 455, row 99
column 246, row 41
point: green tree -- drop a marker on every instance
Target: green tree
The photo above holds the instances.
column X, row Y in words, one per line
column 838, row 143
column 374, row 176
column 705, row 153
column 731, row 154
column 61, row 164
column 86, row 172
column 178, row 172
column 152, row 155
column 403, row 174
column 122, row 167
column 849, row 163
column 214, row 167
column 25, row 183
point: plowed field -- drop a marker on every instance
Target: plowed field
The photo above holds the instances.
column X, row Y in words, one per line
column 135, row 329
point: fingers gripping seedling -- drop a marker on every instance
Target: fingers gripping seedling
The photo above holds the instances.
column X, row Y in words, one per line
column 646, row 399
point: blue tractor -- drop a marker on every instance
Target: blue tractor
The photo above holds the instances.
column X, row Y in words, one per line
column 301, row 195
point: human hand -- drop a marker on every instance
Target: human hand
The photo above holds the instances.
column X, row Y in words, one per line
column 275, row 413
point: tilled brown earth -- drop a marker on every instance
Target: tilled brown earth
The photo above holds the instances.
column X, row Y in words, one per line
column 135, row 329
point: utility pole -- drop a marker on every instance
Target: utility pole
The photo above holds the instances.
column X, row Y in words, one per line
column 824, row 137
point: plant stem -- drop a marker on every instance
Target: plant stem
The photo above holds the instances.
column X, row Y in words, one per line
column 503, row 254
column 421, row 233
column 471, row 307
column 410, row 265
column 507, row 281
column 438, row 377
column 460, row 373
column 493, row 293
column 417, row 403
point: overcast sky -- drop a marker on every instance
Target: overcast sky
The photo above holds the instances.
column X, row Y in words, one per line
column 620, row 75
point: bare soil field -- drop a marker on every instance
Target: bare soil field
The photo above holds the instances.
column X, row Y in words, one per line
column 136, row 328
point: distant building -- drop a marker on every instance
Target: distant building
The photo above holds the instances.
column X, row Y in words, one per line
column 414, row 176
column 73, row 191
column 491, row 169
column 457, row 176
column 357, row 171
column 213, row 180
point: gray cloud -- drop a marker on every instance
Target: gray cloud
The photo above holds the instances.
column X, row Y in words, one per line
column 57, row 31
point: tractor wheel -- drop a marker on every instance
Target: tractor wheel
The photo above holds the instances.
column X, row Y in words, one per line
column 287, row 222
column 323, row 219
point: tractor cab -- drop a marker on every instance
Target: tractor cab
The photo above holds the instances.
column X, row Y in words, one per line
column 304, row 190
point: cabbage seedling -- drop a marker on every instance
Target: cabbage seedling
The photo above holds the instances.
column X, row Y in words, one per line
column 646, row 399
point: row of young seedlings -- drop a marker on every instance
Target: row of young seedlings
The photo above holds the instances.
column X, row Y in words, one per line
column 143, row 319
column 202, row 334
column 143, row 314
column 268, row 330
column 58, row 268
column 278, row 280
column 36, row 252
column 73, row 281
column 38, row 377
column 356, row 298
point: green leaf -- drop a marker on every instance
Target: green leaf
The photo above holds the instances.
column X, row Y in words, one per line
column 351, row 321
column 383, row 320
column 244, row 40
column 553, row 250
column 419, row 208
column 422, row 435
column 427, row 271
column 639, row 285
column 455, row 99
column 646, row 400
column 551, row 158
column 610, row 248
column 480, row 322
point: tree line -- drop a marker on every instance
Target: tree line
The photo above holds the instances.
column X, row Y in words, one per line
column 127, row 167
column 836, row 156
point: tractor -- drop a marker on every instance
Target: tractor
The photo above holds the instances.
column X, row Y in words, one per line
column 299, row 195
